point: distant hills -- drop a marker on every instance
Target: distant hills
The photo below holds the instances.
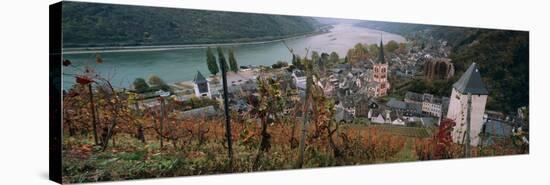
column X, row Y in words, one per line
column 502, row 55
column 91, row 24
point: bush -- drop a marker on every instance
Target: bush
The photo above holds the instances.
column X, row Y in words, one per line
column 154, row 80
column 413, row 124
column 279, row 64
column 140, row 86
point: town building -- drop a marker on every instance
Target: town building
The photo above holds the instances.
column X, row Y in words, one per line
column 299, row 77
column 435, row 106
column 404, row 108
column 469, row 93
column 430, row 104
column 201, row 86
column 362, row 107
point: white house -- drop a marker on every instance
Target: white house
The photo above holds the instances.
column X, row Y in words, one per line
column 299, row 78
column 398, row 121
column 469, row 84
column 378, row 119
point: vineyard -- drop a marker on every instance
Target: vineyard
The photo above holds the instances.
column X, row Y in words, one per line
column 198, row 146
column 111, row 134
column 195, row 154
column 416, row 132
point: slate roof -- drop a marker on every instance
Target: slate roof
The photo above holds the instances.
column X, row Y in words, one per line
column 416, row 108
column 428, row 121
column 343, row 115
column 413, row 96
column 470, row 82
column 199, row 78
column 497, row 128
column 394, row 115
column 393, row 103
column 299, row 73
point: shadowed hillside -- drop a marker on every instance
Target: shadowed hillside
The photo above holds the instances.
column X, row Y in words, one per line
column 86, row 24
column 502, row 55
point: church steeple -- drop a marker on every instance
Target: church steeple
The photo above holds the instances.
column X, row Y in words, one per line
column 381, row 58
column 202, row 87
column 380, row 72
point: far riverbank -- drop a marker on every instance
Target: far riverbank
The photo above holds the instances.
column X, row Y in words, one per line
column 176, row 64
column 107, row 49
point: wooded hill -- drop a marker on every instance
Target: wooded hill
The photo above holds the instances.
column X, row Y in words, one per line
column 91, row 24
column 502, row 55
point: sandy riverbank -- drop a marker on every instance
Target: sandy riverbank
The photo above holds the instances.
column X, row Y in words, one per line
column 232, row 79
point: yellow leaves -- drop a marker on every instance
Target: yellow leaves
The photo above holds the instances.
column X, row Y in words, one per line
column 132, row 98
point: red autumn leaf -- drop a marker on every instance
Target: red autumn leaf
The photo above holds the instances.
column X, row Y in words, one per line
column 66, row 62
column 72, row 94
column 84, row 80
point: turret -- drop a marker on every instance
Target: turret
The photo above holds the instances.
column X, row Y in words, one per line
column 202, row 87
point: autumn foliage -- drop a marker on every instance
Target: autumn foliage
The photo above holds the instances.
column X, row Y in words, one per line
column 130, row 130
column 440, row 146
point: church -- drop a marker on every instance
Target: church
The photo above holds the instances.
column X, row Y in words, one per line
column 379, row 81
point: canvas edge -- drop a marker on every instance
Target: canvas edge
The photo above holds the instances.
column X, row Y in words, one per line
column 55, row 45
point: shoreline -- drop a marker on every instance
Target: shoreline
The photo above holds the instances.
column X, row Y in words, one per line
column 115, row 49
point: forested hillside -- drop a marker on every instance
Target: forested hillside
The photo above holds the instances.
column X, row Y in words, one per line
column 502, row 55
column 86, row 24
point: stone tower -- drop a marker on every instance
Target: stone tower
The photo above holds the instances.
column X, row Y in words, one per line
column 469, row 84
column 202, row 87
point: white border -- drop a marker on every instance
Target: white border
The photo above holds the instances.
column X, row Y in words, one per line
column 24, row 63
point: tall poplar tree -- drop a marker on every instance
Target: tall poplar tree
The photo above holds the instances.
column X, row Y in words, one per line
column 221, row 58
column 211, row 62
column 233, row 62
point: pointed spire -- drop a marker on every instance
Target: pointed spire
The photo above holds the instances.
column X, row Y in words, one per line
column 199, row 78
column 381, row 58
column 470, row 82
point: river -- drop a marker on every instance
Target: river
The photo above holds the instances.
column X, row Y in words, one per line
column 181, row 64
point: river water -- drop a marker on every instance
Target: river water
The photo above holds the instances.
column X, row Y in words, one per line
column 181, row 64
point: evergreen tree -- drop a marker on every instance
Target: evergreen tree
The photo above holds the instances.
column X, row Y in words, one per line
column 140, row 85
column 211, row 62
column 221, row 58
column 296, row 62
column 233, row 62
column 314, row 56
column 334, row 58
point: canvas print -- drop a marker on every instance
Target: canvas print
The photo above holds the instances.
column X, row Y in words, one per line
column 149, row 92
